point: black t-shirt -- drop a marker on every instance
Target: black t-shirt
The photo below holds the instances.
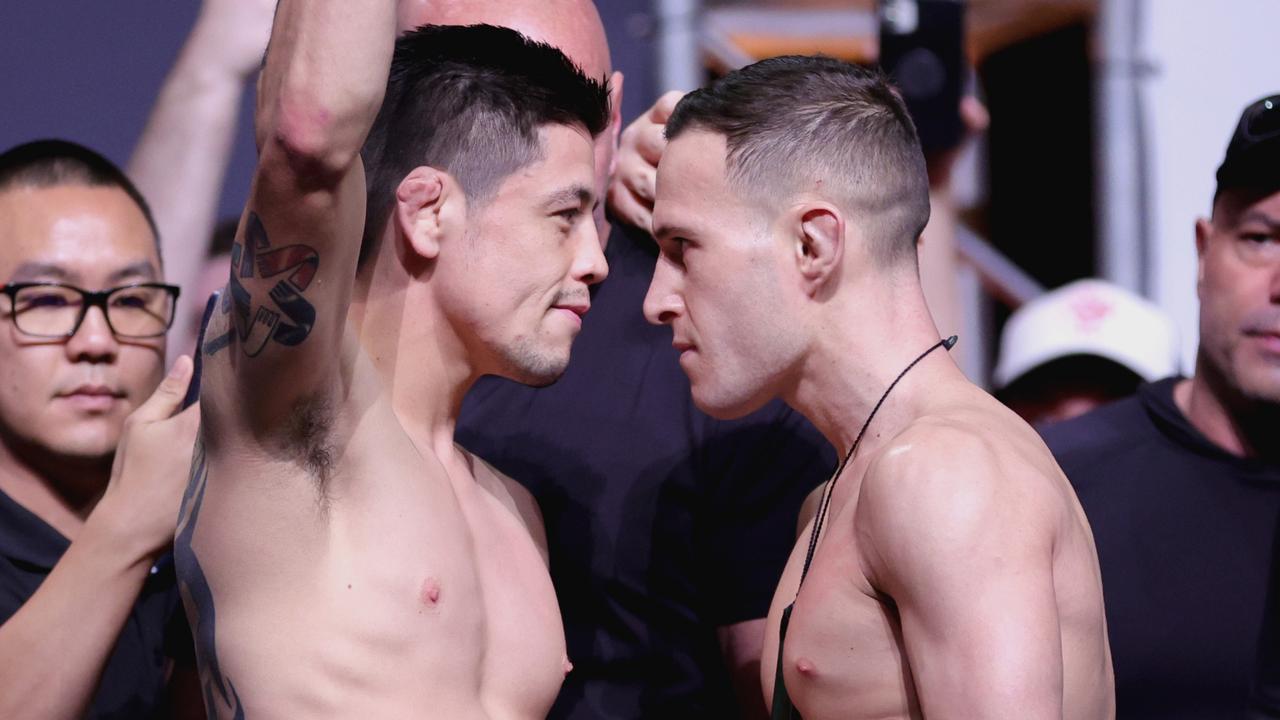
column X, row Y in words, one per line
column 1184, row 532
column 133, row 681
column 662, row 522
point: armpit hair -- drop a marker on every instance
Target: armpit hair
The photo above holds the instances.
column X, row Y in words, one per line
column 308, row 439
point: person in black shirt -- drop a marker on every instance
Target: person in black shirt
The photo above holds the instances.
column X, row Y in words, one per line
column 87, row 498
column 1181, row 482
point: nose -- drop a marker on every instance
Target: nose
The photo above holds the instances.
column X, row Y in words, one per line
column 662, row 303
column 590, row 267
column 93, row 340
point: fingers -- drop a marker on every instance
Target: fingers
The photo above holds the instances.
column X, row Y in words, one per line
column 167, row 398
column 633, row 186
column 661, row 110
column 628, row 209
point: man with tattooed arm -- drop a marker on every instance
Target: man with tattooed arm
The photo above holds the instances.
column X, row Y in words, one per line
column 339, row 556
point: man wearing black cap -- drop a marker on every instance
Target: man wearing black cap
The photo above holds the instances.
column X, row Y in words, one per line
column 1181, row 483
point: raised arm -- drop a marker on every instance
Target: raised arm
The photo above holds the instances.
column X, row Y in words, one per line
column 180, row 161
column 294, row 262
column 967, row 557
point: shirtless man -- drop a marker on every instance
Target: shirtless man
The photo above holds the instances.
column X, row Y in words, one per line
column 358, row 564
column 955, row 574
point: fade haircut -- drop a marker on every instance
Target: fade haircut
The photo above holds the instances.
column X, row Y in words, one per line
column 469, row 100
column 794, row 122
column 54, row 163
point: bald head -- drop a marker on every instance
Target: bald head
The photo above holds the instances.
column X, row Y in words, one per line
column 572, row 26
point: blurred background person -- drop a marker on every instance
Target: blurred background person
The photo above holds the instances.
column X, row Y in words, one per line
column 1181, row 482
column 1083, row 345
column 90, row 475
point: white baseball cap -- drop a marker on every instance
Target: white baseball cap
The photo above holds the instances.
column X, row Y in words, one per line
column 1088, row 317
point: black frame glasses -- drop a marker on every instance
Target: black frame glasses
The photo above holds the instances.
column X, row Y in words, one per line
column 100, row 299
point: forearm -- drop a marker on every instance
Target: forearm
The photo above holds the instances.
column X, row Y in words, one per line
column 181, row 159
column 54, row 648
column 324, row 79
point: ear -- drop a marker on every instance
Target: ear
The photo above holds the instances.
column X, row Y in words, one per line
column 1204, row 229
column 818, row 242
column 421, row 215
column 615, row 117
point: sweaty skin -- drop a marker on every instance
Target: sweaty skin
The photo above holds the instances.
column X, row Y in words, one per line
column 955, row 575
column 338, row 555
column 846, row 655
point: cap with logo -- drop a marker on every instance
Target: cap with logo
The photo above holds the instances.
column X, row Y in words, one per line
column 1253, row 155
column 1092, row 318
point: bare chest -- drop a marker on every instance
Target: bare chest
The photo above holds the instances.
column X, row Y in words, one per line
column 843, row 654
column 386, row 587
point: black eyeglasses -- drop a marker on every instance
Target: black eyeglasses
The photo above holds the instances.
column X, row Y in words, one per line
column 55, row 310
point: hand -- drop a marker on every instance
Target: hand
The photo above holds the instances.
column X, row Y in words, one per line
column 631, row 188
column 151, row 466
column 234, row 33
column 974, row 116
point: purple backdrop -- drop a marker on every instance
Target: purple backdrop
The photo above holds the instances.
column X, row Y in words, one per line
column 88, row 70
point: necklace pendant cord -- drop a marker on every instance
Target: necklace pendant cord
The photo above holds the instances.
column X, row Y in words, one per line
column 820, row 518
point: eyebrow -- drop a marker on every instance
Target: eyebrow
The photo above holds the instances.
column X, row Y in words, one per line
column 1255, row 216
column 39, row 270
column 663, row 232
column 28, row 271
column 141, row 269
column 581, row 194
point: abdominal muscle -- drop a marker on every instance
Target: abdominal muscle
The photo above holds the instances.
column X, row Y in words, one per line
column 392, row 596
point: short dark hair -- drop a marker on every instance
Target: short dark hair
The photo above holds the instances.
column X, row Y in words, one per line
column 53, row 163
column 793, row 120
column 469, row 100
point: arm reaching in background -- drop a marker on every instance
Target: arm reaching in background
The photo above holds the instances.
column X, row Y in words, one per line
column 181, row 159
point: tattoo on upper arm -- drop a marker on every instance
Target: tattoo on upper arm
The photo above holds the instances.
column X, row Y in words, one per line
column 288, row 316
column 217, row 689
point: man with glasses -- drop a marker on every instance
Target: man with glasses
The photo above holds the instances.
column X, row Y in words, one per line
column 1181, row 482
column 87, row 592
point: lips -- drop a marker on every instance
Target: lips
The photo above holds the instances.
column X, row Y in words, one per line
column 1270, row 340
column 578, row 309
column 91, row 397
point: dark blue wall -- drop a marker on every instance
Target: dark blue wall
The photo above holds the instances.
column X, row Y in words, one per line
column 88, row 70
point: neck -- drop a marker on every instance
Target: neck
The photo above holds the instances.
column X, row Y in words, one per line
column 421, row 362
column 1239, row 425
column 865, row 338
column 60, row 491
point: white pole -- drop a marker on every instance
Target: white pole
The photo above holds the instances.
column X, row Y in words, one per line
column 1121, row 184
column 679, row 62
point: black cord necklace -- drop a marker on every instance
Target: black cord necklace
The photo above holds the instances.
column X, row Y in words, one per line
column 831, row 484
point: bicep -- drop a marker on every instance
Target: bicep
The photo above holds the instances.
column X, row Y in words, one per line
column 984, row 641
column 967, row 558
column 292, row 273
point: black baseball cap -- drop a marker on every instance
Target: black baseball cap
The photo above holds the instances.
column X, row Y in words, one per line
column 1253, row 157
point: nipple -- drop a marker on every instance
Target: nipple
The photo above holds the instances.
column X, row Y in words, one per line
column 805, row 666
column 568, row 666
column 430, row 591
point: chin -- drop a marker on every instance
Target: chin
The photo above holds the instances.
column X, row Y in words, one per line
column 536, row 369
column 725, row 406
column 84, row 448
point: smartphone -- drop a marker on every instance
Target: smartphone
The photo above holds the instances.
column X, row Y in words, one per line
column 922, row 51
